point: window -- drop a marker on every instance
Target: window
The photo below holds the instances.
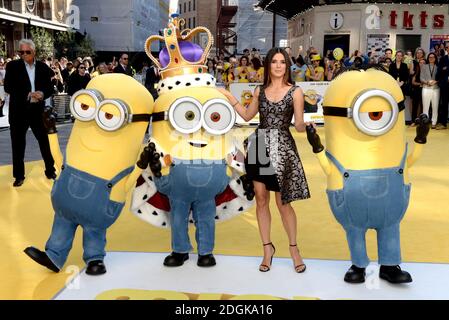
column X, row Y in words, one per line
column 190, row 23
column 283, row 43
column 194, row 5
column 13, row 5
column 180, row 9
column 190, row 6
column 194, row 22
column 185, row 7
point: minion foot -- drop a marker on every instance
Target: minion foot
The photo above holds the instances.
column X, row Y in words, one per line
column 355, row 275
column 394, row 274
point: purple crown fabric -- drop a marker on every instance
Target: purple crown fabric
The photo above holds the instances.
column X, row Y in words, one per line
column 190, row 51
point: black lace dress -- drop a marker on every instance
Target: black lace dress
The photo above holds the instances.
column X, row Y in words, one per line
column 272, row 156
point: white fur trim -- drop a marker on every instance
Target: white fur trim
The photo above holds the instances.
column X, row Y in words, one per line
column 186, row 81
column 160, row 218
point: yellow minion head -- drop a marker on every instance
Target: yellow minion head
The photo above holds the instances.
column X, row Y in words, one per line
column 364, row 117
column 191, row 117
column 192, row 123
column 112, row 115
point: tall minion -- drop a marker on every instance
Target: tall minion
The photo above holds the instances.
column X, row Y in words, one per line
column 195, row 175
column 98, row 169
column 367, row 166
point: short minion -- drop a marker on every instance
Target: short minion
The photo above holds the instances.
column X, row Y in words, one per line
column 191, row 130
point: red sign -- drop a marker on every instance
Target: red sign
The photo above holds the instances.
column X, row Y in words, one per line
column 408, row 20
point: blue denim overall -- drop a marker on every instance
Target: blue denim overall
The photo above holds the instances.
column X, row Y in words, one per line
column 193, row 186
column 371, row 199
column 81, row 199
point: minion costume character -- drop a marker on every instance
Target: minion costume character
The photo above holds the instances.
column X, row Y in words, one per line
column 97, row 171
column 366, row 165
column 195, row 176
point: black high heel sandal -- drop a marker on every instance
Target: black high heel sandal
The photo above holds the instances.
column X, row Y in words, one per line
column 264, row 267
column 299, row 265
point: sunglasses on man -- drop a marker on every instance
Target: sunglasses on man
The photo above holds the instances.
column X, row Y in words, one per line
column 22, row 52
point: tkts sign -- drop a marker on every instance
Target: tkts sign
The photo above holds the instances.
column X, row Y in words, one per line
column 410, row 20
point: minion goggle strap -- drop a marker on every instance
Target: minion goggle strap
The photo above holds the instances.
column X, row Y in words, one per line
column 371, row 123
column 109, row 114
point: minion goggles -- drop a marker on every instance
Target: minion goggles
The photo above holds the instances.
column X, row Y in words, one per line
column 117, row 115
column 370, row 123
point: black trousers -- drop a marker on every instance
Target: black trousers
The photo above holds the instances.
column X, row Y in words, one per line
column 18, row 129
column 443, row 109
column 416, row 102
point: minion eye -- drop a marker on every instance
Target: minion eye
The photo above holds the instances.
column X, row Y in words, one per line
column 190, row 115
column 83, row 104
column 112, row 115
column 376, row 123
column 219, row 116
column 215, row 117
column 185, row 115
column 376, row 120
column 83, row 111
column 375, row 116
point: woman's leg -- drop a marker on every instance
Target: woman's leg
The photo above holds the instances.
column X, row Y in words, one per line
column 426, row 96
column 288, row 216
column 264, row 221
column 435, row 105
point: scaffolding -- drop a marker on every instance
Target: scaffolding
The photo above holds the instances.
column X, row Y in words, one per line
column 226, row 38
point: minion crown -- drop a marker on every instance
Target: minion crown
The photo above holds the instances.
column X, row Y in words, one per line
column 181, row 56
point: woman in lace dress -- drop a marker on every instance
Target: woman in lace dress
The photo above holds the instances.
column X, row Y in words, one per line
column 273, row 161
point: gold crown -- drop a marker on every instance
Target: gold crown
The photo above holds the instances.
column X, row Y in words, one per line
column 172, row 36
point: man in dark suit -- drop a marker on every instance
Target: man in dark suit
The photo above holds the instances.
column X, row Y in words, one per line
column 28, row 83
column 443, row 77
column 152, row 77
column 123, row 65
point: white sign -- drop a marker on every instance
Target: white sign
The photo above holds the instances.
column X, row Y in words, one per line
column 313, row 100
column 245, row 93
column 336, row 21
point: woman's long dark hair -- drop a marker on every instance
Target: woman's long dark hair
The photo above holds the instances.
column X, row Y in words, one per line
column 256, row 63
column 267, row 66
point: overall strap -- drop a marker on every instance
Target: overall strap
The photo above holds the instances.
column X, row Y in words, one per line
column 120, row 176
column 404, row 157
column 64, row 161
column 336, row 162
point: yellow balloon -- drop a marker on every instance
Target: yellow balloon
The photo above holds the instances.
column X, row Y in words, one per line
column 338, row 54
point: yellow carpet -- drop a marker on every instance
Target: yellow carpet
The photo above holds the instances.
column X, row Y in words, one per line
column 26, row 219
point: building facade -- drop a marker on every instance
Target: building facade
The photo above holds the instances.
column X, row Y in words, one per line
column 370, row 27
column 256, row 28
column 17, row 16
column 122, row 25
column 198, row 13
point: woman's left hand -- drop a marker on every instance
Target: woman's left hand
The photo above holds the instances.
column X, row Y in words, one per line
column 311, row 123
column 225, row 92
